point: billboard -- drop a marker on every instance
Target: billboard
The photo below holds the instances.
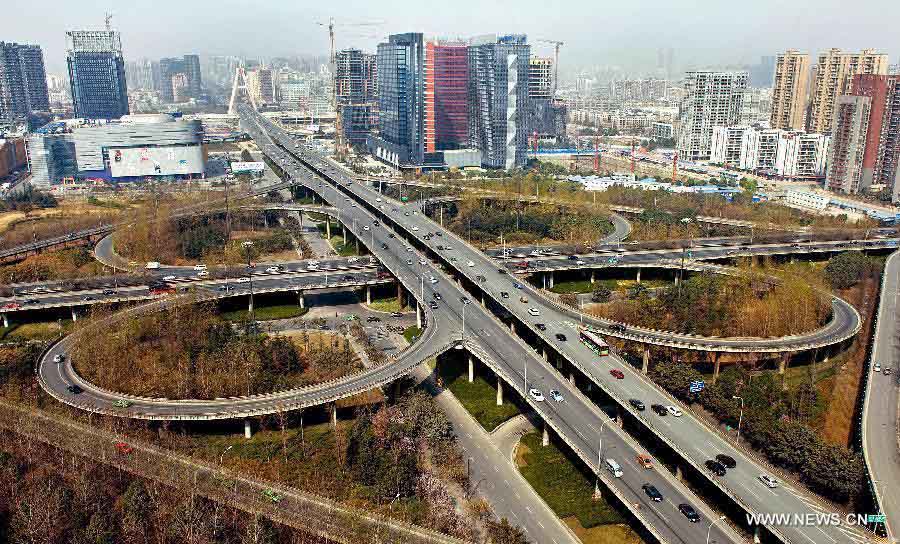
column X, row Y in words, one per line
column 251, row 167
column 155, row 161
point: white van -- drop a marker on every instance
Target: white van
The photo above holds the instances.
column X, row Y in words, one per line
column 152, row 265
column 613, row 467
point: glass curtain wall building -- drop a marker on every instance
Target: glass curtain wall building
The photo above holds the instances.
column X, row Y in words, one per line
column 97, row 74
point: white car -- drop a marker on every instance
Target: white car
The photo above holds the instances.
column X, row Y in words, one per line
column 202, row 273
column 312, row 267
column 768, row 481
column 422, row 262
column 169, row 278
column 415, row 228
column 244, row 279
column 199, row 267
column 536, row 394
column 534, row 312
column 674, row 410
column 352, row 259
column 273, row 270
column 432, row 280
column 377, row 200
column 877, row 367
column 366, row 227
column 470, row 264
column 579, row 262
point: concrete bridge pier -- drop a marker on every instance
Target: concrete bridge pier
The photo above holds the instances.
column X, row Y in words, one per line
column 401, row 300
column 499, row 391
column 471, row 368
column 74, row 314
column 512, row 327
column 301, row 299
column 545, row 439
column 716, row 356
column 344, row 233
column 483, row 303
column 678, row 473
column 328, row 228
column 572, row 377
column 544, row 354
column 334, row 416
column 442, row 214
column 638, row 279
column 356, row 243
column 593, row 276
column 418, row 315
column 5, row 320
column 620, row 421
column 645, row 365
column 368, row 294
column 248, row 429
column 250, row 304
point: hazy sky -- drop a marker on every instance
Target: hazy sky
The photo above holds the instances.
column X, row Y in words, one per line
column 624, row 33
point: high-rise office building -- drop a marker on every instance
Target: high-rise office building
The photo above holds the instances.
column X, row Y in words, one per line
column 355, row 76
column 789, row 91
column 711, row 99
column 540, row 77
column 139, row 75
column 866, row 137
column 261, row 85
column 498, row 99
column 401, row 101
column 184, row 72
column 97, row 74
column 832, row 77
column 23, row 81
column 446, row 96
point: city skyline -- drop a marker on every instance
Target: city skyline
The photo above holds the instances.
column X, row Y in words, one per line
column 626, row 37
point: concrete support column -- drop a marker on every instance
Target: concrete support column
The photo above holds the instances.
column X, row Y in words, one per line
column 483, row 303
column 471, row 369
column 442, row 215
column 400, row 299
column 620, row 421
column 544, row 354
column 248, row 430
column 716, row 357
column 783, row 363
column 356, row 242
column 300, row 217
column 418, row 315
column 250, row 304
column 499, row 392
column 756, row 539
column 5, row 320
column 328, row 228
column 551, row 279
column 512, row 327
column 74, row 315
column 344, row 232
column 593, row 276
column 639, row 275
column 334, row 416
column 678, row 473
column 676, row 278
column 368, row 294
column 544, row 280
column 545, row 439
column 645, row 366
column 572, row 377
column 301, row 299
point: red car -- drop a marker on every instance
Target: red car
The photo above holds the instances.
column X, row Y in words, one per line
column 617, row 374
column 11, row 306
column 123, row 448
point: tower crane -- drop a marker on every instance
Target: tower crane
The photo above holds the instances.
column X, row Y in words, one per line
column 338, row 123
column 556, row 45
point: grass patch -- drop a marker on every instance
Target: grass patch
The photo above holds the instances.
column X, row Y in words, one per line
column 478, row 397
column 603, row 534
column 266, row 313
column 386, row 304
column 562, row 484
column 342, row 249
column 580, row 286
column 412, row 333
column 45, row 330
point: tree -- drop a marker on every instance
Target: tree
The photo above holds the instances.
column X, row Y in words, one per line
column 845, row 269
column 503, row 533
column 246, row 156
column 601, row 293
column 637, row 290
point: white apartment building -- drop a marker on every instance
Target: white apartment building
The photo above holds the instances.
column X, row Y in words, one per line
column 762, row 150
column 711, row 99
column 786, row 154
column 802, row 156
column 663, row 130
column 728, row 146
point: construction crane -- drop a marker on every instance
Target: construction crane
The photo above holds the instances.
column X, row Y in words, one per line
column 338, row 123
column 556, row 45
column 107, row 20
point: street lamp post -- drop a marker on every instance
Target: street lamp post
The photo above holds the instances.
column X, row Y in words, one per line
column 740, row 417
column 247, row 245
column 709, row 532
column 222, row 457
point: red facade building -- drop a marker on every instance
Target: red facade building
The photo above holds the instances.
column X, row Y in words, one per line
column 446, row 95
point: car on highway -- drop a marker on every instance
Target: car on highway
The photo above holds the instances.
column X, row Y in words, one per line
column 470, row 264
column 659, row 409
column 644, row 460
column 432, row 280
column 715, row 467
column 540, row 326
column 373, row 319
column 617, row 327
column 674, row 410
column 518, row 285
column 556, row 395
column 887, row 372
column 437, row 296
column 409, row 262
column 534, row 312
column 637, row 404
column 561, row 337
column 689, row 512
column 726, row 460
column 617, row 374
column 392, row 235
column 768, row 481
column 433, row 305
column 75, row 389
column 523, row 299
column 504, row 294
column 87, row 298
column 480, row 278
column 366, row 227
column 122, row 403
column 32, row 301
column 536, row 394
column 877, row 367
column 579, row 262
column 501, row 271
column 109, row 292
column 415, row 229
column 199, row 267
column 273, row 269
column 202, row 273
column 652, row 492
column 11, row 306
column 169, row 278
column 384, row 246
column 58, row 358
column 396, row 314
